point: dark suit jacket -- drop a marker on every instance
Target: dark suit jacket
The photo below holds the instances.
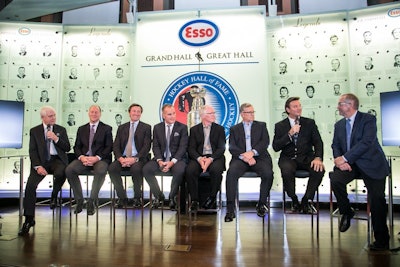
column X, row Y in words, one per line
column 38, row 148
column 142, row 140
column 259, row 139
column 217, row 140
column 178, row 141
column 102, row 141
column 309, row 143
column 365, row 151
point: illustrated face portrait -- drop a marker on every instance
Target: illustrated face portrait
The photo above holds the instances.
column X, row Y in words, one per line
column 310, row 91
column 282, row 43
column 72, row 96
column 20, row 94
column 336, row 89
column 119, row 73
column 282, row 67
column 335, row 64
column 334, row 39
column 396, row 33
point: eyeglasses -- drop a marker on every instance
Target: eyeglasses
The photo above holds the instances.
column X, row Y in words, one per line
column 210, row 113
column 342, row 103
column 248, row 112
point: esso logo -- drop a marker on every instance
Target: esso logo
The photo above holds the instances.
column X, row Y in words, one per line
column 198, row 32
column 394, row 12
column 24, row 31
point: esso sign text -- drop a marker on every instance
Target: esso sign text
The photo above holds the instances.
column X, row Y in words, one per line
column 198, row 32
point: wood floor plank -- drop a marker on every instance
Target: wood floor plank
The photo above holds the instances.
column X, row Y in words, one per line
column 207, row 240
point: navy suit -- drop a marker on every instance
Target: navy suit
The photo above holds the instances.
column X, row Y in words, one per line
column 195, row 150
column 237, row 167
column 142, row 139
column 368, row 161
column 177, row 147
column 293, row 157
column 38, row 156
column 102, row 147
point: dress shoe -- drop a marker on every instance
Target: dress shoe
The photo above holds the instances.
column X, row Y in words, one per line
column 261, row 209
column 79, row 206
column 229, row 216
column 53, row 203
column 209, row 204
column 25, row 228
column 378, row 247
column 307, row 208
column 172, row 202
column 295, row 207
column 345, row 221
column 194, row 206
column 137, row 202
column 121, row 203
column 90, row 207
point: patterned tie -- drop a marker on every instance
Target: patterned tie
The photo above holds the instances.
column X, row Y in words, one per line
column 348, row 133
column 91, row 135
column 296, row 135
column 167, row 151
column 48, row 143
column 128, row 149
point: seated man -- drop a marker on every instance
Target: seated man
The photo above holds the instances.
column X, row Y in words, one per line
column 300, row 150
column 131, row 151
column 248, row 144
column 357, row 153
column 206, row 152
column 170, row 139
column 93, row 147
column 48, row 147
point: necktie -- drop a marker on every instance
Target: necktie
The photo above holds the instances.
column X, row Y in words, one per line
column 207, row 145
column 248, row 136
column 48, row 143
column 296, row 135
column 128, row 149
column 167, row 151
column 348, row 133
column 91, row 135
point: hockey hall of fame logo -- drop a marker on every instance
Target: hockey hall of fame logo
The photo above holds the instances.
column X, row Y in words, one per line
column 193, row 90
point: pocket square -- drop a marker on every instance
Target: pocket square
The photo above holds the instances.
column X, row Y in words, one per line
column 176, row 134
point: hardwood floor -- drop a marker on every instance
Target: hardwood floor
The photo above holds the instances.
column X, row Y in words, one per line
column 206, row 240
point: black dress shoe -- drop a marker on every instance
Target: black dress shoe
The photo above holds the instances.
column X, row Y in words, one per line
column 345, row 221
column 307, row 208
column 25, row 228
column 137, row 202
column 172, row 203
column 194, row 206
column 295, row 207
column 91, row 209
column 229, row 216
column 209, row 204
column 53, row 203
column 122, row 203
column 79, row 206
column 261, row 209
column 378, row 247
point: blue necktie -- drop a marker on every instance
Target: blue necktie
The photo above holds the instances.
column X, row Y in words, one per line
column 348, row 133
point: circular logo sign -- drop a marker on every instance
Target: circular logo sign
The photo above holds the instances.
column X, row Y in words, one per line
column 198, row 32
column 194, row 89
column 394, row 12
